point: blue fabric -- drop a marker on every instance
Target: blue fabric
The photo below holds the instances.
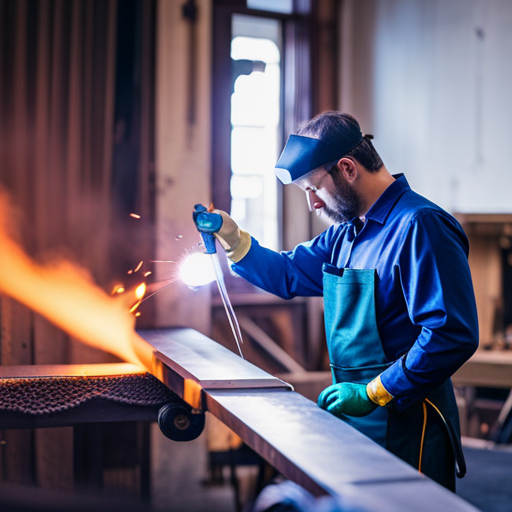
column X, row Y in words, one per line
column 351, row 328
column 355, row 348
column 426, row 312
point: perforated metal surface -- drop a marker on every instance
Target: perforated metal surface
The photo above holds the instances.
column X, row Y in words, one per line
column 55, row 394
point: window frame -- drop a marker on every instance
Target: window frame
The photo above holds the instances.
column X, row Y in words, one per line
column 297, row 99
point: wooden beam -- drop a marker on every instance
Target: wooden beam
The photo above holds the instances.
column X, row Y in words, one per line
column 491, row 369
column 261, row 338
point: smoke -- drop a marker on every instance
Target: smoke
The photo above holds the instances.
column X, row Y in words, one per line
column 66, row 295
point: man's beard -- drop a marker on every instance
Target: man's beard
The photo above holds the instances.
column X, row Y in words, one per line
column 347, row 202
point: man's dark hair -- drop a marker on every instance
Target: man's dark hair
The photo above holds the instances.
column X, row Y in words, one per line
column 332, row 125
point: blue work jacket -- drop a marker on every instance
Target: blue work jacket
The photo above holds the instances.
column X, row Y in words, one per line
column 426, row 311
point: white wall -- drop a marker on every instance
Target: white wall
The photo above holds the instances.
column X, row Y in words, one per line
column 440, row 105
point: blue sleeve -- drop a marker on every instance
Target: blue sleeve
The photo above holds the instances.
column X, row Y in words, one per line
column 438, row 291
column 288, row 274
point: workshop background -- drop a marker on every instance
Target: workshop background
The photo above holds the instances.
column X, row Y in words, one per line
column 117, row 107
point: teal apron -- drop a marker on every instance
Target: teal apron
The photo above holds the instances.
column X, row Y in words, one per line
column 426, row 434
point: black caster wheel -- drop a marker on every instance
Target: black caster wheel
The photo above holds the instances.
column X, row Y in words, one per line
column 177, row 422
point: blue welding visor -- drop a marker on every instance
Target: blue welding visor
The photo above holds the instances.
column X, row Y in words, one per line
column 304, row 154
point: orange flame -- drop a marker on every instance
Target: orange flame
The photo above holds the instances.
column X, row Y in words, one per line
column 66, row 295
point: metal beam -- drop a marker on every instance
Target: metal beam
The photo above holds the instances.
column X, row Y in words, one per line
column 303, row 442
column 188, row 362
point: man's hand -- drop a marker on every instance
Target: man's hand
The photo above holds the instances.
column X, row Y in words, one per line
column 346, row 398
column 229, row 234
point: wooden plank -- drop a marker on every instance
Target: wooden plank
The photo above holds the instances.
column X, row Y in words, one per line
column 261, row 338
column 54, row 447
column 180, row 145
column 486, row 369
column 485, row 262
column 15, row 332
column 16, row 456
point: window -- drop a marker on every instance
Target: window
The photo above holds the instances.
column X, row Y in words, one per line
column 256, row 125
column 284, row 6
column 261, row 92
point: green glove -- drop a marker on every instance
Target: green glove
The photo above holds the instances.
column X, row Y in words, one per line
column 346, row 398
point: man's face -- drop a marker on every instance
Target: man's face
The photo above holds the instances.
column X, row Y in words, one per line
column 329, row 194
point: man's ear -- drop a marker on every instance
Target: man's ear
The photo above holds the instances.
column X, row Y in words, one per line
column 348, row 168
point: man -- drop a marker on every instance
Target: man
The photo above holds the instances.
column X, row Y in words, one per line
column 400, row 312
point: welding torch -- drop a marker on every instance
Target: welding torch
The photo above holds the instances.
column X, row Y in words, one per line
column 207, row 223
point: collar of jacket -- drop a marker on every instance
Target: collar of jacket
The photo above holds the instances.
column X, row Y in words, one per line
column 381, row 209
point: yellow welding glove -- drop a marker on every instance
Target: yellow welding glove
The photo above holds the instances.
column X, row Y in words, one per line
column 378, row 393
column 235, row 242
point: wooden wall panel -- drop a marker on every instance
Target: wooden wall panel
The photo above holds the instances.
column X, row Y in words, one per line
column 182, row 158
column 485, row 263
column 57, row 105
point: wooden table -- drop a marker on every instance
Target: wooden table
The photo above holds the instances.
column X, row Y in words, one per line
column 487, row 368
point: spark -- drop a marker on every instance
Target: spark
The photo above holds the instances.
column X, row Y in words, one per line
column 139, row 294
column 140, row 290
column 138, row 266
column 162, row 261
column 118, row 289
column 130, row 272
column 148, row 273
column 179, row 237
column 135, row 215
column 138, row 313
column 158, row 287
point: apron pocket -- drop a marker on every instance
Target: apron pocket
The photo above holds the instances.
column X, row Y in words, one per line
column 359, row 375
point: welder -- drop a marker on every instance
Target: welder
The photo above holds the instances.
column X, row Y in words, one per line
column 400, row 313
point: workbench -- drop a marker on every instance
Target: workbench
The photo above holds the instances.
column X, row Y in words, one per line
column 485, row 369
column 301, row 441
